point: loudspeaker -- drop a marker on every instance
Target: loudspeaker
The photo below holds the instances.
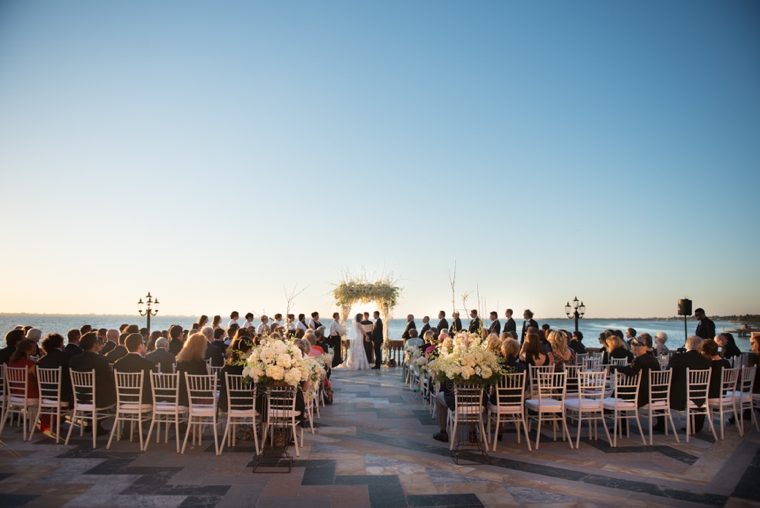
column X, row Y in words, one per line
column 684, row 307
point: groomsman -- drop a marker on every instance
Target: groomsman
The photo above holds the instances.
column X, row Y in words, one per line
column 495, row 325
column 456, row 325
column 475, row 324
column 528, row 323
column 442, row 323
column 377, row 339
column 336, row 336
column 425, row 326
column 409, row 326
column 510, row 325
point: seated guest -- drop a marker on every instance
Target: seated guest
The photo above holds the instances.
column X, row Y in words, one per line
column 660, row 349
column 710, row 351
column 320, row 342
column 56, row 357
column 235, row 362
column 161, row 356
column 642, row 364
column 728, row 347
column 12, row 338
column 311, row 338
column 691, row 359
column 219, row 339
column 154, row 336
column 212, row 352
column 615, row 348
column 35, row 335
column 493, row 343
column 191, row 360
column 105, row 389
column 112, row 341
column 414, row 340
column 120, row 351
column 576, row 344
column 176, row 339
column 532, row 353
column 649, row 342
column 510, row 356
column 21, row 358
column 561, row 355
column 134, row 362
column 73, row 346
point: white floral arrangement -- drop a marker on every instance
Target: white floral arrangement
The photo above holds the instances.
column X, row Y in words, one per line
column 327, row 357
column 466, row 359
column 276, row 361
column 412, row 354
column 421, row 363
column 317, row 374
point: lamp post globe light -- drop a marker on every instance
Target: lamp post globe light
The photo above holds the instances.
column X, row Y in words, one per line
column 148, row 308
column 576, row 311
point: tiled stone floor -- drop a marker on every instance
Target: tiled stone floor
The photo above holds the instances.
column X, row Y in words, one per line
column 373, row 448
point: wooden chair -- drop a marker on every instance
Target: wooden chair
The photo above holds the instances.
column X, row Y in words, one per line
column 624, row 404
column 468, row 408
column 166, row 408
column 49, row 385
column 282, row 413
column 19, row 402
column 549, row 405
column 202, row 397
column 744, row 398
column 726, row 402
column 86, row 405
column 697, row 390
column 509, row 407
column 589, row 404
column 659, row 401
column 241, row 409
column 129, row 405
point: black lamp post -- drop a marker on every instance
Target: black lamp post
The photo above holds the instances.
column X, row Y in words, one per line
column 149, row 308
column 578, row 309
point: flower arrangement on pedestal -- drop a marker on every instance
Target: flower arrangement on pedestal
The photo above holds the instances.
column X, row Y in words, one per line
column 465, row 359
column 317, row 374
column 276, row 362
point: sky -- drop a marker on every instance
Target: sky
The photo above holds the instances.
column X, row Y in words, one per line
column 216, row 153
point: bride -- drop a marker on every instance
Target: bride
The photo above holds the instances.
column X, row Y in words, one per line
column 357, row 357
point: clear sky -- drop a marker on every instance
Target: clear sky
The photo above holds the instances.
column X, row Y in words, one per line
column 212, row 152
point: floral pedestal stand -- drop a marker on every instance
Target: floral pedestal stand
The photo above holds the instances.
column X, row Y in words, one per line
column 274, row 458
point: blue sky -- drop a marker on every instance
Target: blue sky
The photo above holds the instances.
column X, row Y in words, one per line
column 212, row 152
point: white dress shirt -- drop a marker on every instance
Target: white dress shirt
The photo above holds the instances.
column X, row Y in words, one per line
column 336, row 328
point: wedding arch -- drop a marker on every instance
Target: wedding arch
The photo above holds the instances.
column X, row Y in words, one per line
column 383, row 291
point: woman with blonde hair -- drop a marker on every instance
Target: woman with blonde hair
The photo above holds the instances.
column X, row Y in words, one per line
column 615, row 347
column 493, row 343
column 191, row 359
column 561, row 354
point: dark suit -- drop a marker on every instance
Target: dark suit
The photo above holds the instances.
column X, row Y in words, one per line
column 409, row 326
column 116, row 353
column 175, row 346
column 641, row 365
column 133, row 362
column 510, row 326
column 692, row 360
column 705, row 329
column 456, row 326
column 213, row 352
column 107, row 348
column 105, row 389
column 221, row 345
column 5, row 354
column 495, row 327
column 425, row 328
column 377, row 340
column 74, row 349
column 531, row 324
column 54, row 359
column 475, row 325
column 442, row 325
column 163, row 358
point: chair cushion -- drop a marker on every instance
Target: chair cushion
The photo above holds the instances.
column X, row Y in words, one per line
column 134, row 406
column 283, row 413
column 547, row 404
column 19, row 401
column 585, row 404
column 609, row 403
column 53, row 403
column 469, row 410
column 725, row 401
column 504, row 409
column 202, row 410
column 243, row 413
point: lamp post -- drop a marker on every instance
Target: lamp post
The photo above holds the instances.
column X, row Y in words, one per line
column 578, row 309
column 149, row 308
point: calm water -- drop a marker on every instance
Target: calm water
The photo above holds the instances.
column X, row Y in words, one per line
column 590, row 327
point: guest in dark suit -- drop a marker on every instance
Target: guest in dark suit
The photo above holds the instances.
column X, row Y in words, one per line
column 528, row 323
column 692, row 359
column 133, row 362
column 212, row 352
column 112, row 340
column 11, row 339
column 442, row 323
column 105, row 389
column 642, row 364
column 410, row 325
column 456, row 324
column 176, row 339
column 161, row 356
column 73, row 345
column 377, row 339
column 705, row 327
column 55, row 357
column 425, row 326
column 191, row 360
column 509, row 324
column 475, row 324
column 119, row 351
column 219, row 339
column 495, row 324
column 576, row 344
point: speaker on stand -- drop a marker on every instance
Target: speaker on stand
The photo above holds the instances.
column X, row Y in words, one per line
column 684, row 309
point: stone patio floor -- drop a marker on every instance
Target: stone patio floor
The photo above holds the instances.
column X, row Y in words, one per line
column 373, row 448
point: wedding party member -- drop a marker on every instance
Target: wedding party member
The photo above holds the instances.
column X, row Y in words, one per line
column 442, row 323
column 615, row 347
column 263, row 328
column 527, row 323
column 89, row 360
column 337, row 331
column 134, row 362
column 495, row 326
column 561, row 355
column 456, row 323
column 660, row 348
column 356, row 357
column 234, row 315
column 705, row 327
column 509, row 324
column 410, row 325
column 576, row 344
column 475, row 324
column 376, row 337
column 12, row 338
column 161, row 356
column 368, row 325
column 248, row 323
column 191, row 360
column 112, row 341
column 692, row 359
column 217, row 322
column 314, row 323
column 176, row 339
column 201, row 322
column 425, row 326
column 301, row 323
column 73, row 345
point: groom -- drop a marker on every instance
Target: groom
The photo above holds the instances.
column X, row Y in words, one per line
column 377, row 339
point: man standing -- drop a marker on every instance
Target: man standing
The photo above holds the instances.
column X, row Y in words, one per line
column 73, row 345
column 377, row 339
column 456, row 324
column 442, row 323
column 528, row 323
column 337, row 331
column 112, row 340
column 410, row 325
column 367, row 325
column 475, row 325
column 509, row 325
column 425, row 326
column 705, row 327
column 495, row 324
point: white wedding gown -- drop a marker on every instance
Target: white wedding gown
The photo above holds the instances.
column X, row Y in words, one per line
column 357, row 357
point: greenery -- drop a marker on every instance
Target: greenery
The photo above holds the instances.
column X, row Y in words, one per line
column 361, row 289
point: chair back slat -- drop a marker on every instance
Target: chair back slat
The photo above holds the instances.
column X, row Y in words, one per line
column 698, row 385
column 729, row 381
column 619, row 361
column 239, row 395
column 551, row 385
column 747, row 380
column 627, row 387
column 83, row 384
column 511, row 390
column 49, row 383
column 659, row 386
column 16, row 378
column 536, row 369
column 201, row 390
column 165, row 388
column 128, row 387
column 591, row 386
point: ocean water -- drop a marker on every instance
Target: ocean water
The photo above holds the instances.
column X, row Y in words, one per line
column 590, row 327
